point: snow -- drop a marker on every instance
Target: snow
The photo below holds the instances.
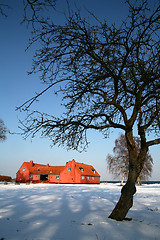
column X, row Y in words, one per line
column 76, row 212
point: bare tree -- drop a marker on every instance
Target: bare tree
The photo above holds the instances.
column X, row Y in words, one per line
column 108, row 77
column 3, row 131
column 118, row 164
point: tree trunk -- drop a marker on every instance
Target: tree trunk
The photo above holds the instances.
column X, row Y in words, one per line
column 139, row 181
column 126, row 199
column 129, row 189
column 124, row 172
column 122, row 178
column 125, row 202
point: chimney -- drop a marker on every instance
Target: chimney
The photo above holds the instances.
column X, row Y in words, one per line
column 47, row 165
column 73, row 163
column 31, row 163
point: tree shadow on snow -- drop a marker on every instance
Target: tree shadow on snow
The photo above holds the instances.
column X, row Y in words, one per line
column 53, row 211
column 68, row 212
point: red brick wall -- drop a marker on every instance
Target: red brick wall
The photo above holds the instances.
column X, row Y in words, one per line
column 35, row 177
column 90, row 179
column 53, row 179
column 74, row 176
column 67, row 176
column 22, row 176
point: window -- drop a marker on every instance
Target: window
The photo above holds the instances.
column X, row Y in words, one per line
column 23, row 169
column 57, row 177
column 88, row 178
column 82, row 177
column 93, row 170
column 31, row 176
column 81, row 169
column 69, row 169
column 51, row 171
column 93, row 178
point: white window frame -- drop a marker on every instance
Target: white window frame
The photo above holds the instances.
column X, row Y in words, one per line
column 69, row 169
column 23, row 169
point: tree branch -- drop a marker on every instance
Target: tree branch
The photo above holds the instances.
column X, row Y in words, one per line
column 153, row 142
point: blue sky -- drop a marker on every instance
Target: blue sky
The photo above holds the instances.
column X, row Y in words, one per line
column 16, row 87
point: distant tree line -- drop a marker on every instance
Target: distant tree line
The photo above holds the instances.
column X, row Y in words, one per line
column 5, row 178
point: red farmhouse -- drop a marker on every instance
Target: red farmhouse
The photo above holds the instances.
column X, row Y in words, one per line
column 72, row 172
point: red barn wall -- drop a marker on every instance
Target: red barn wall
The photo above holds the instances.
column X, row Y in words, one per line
column 90, row 179
column 53, row 179
column 77, row 177
column 67, row 176
column 22, row 175
column 35, row 177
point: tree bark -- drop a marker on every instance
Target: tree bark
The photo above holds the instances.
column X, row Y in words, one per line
column 129, row 189
column 125, row 202
column 122, row 178
column 126, row 199
column 139, row 181
column 124, row 172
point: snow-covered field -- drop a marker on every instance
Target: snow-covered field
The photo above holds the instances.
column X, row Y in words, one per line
column 76, row 212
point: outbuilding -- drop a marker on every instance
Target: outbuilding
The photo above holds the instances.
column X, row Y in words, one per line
column 72, row 172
